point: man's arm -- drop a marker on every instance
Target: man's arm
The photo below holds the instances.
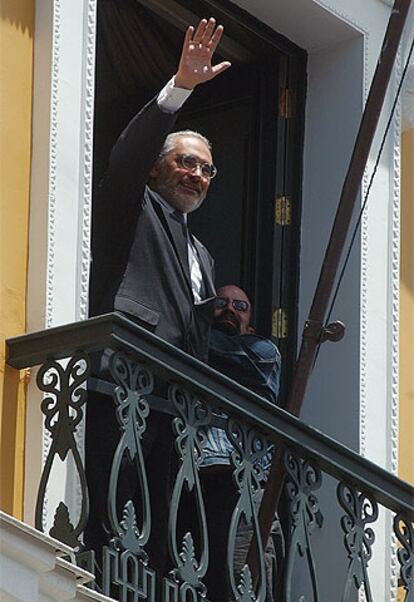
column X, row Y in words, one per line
column 121, row 191
column 251, row 360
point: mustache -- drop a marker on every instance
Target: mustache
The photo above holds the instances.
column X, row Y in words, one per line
column 228, row 316
column 197, row 187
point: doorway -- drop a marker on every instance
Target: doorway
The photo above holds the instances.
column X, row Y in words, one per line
column 253, row 115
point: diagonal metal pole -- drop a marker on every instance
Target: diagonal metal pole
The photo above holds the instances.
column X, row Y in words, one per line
column 314, row 331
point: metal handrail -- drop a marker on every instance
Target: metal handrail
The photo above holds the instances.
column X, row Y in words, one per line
column 117, row 332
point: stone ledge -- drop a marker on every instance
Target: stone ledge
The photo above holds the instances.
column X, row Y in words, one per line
column 34, row 567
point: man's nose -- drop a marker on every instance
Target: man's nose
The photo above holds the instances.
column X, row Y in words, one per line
column 229, row 307
column 196, row 172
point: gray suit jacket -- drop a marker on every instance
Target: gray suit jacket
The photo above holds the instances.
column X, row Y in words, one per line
column 140, row 264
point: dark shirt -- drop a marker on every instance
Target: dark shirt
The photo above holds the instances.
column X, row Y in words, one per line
column 254, row 362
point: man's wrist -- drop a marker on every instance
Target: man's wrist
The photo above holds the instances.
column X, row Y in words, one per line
column 172, row 97
column 179, row 83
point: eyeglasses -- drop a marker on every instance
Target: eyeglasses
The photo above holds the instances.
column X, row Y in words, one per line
column 190, row 162
column 237, row 304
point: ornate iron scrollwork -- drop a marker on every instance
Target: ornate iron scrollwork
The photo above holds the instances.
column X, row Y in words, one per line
column 132, row 579
column 62, row 407
column 403, row 529
column 188, row 427
column 249, row 448
column 125, row 562
column 132, row 411
column 361, row 510
column 303, row 478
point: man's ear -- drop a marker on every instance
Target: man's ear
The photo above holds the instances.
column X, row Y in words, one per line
column 251, row 330
column 155, row 169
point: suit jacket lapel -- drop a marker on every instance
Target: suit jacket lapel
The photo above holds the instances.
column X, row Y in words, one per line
column 177, row 237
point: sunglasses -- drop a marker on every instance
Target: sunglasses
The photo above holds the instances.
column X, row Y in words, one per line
column 191, row 163
column 237, row 304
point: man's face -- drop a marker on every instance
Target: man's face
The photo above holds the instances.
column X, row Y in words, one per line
column 182, row 188
column 230, row 318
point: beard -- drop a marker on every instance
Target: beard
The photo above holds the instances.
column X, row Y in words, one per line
column 227, row 323
column 178, row 197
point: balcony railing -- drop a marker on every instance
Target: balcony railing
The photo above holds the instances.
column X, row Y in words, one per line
column 148, row 375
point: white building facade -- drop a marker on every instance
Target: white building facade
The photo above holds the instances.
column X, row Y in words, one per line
column 353, row 395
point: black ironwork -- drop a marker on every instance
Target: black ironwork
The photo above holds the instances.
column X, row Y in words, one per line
column 303, row 479
column 128, row 571
column 117, row 332
column 133, row 382
column 189, row 569
column 404, row 530
column 62, row 407
column 249, row 448
column 125, row 562
column 361, row 510
column 126, row 576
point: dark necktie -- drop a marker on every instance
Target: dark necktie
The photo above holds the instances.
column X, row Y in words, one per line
column 180, row 217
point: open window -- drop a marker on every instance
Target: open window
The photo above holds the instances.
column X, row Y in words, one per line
column 253, row 115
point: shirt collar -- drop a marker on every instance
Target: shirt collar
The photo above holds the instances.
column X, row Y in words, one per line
column 177, row 215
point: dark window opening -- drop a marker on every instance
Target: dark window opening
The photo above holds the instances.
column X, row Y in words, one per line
column 257, row 146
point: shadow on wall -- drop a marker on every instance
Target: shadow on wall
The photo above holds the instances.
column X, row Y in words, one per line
column 19, row 13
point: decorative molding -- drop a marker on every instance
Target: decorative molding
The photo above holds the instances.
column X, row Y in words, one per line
column 85, row 161
column 394, row 284
column 87, row 122
column 50, row 274
column 47, row 443
column 83, row 268
column 364, row 288
column 85, row 79
column 394, row 564
column 395, row 274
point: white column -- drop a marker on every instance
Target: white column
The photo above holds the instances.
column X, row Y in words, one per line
column 60, row 199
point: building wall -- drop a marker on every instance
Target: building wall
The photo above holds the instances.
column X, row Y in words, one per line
column 16, row 73
column 61, row 182
column 406, row 450
column 343, row 41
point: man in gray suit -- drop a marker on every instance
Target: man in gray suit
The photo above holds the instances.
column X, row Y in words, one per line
column 149, row 265
column 151, row 268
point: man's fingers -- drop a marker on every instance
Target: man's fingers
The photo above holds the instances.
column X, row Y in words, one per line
column 200, row 31
column 188, row 35
column 205, row 40
column 220, row 68
column 216, row 37
column 198, row 48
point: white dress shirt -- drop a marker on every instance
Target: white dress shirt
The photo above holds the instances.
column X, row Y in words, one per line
column 170, row 100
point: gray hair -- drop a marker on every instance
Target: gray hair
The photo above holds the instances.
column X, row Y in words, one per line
column 172, row 138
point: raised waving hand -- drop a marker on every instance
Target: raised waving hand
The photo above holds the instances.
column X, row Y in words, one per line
column 195, row 66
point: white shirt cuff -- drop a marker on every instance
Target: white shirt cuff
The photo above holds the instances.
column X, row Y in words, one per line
column 171, row 99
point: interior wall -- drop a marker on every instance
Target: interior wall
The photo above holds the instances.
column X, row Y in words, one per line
column 16, row 59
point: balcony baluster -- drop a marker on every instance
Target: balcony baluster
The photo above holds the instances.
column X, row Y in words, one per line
column 199, row 397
